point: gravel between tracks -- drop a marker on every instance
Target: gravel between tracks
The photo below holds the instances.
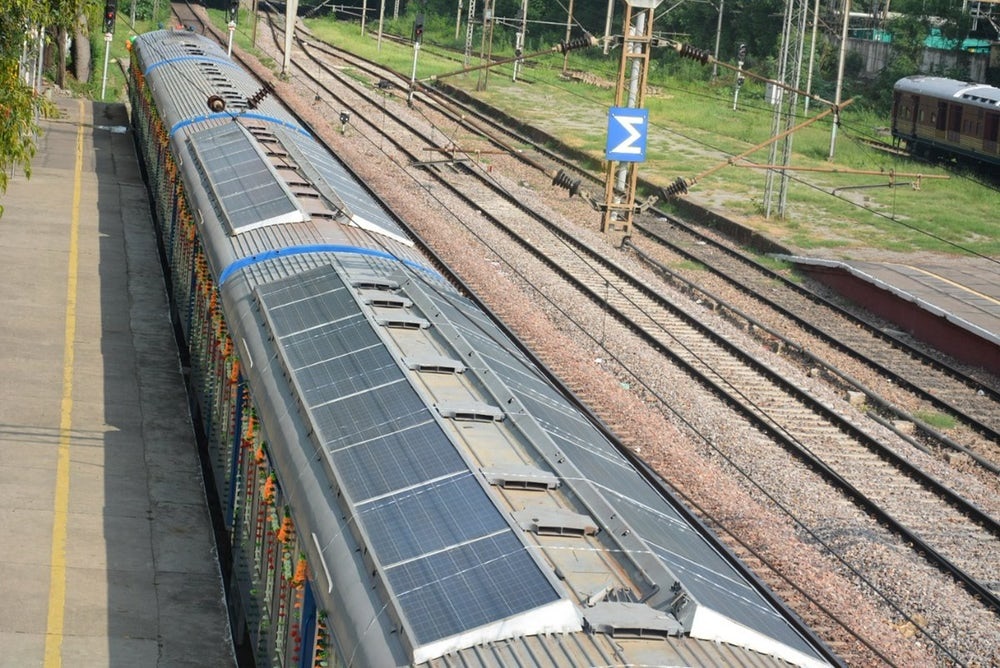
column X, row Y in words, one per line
column 708, row 475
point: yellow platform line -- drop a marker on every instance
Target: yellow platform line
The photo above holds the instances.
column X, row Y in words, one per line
column 952, row 283
column 57, row 573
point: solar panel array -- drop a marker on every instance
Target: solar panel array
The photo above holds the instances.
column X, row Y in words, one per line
column 711, row 580
column 449, row 557
column 247, row 189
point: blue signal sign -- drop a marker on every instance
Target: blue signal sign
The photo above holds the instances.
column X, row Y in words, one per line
column 627, row 131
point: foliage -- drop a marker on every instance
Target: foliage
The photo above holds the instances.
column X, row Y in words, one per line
column 18, row 103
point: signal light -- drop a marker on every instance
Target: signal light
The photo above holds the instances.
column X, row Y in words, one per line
column 742, row 52
column 418, row 28
column 110, row 12
column 233, row 11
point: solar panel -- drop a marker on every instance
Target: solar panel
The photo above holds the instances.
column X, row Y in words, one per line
column 364, row 211
column 246, row 188
column 469, row 586
column 450, row 559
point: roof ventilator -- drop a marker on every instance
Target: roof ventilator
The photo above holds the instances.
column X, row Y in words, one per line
column 403, row 321
column 630, row 620
column 372, row 282
column 434, row 364
column 471, row 411
column 556, row 522
column 521, row 476
column 383, row 299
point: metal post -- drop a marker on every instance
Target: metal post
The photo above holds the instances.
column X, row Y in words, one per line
column 718, row 36
column 569, row 28
column 381, row 20
column 413, row 73
column 253, row 31
column 607, row 26
column 41, row 62
column 107, row 52
column 470, row 29
column 840, row 77
column 232, row 31
column 812, row 57
column 521, row 36
column 486, row 50
column 364, row 15
column 291, row 11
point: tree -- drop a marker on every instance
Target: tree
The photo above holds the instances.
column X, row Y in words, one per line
column 18, row 102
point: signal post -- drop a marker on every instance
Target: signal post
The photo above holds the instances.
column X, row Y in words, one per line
column 628, row 121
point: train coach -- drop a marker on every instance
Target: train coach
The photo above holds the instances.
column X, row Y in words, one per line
column 399, row 483
column 938, row 117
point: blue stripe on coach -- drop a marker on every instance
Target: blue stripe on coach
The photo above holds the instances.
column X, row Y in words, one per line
column 239, row 114
column 200, row 59
column 317, row 248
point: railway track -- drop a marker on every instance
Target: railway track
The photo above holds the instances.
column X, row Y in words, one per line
column 936, row 385
column 915, row 504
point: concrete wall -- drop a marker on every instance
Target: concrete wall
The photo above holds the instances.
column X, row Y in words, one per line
column 935, row 61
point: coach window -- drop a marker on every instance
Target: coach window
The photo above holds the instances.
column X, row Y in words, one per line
column 941, row 116
column 991, row 129
column 955, row 119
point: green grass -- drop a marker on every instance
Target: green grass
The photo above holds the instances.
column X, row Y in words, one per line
column 936, row 420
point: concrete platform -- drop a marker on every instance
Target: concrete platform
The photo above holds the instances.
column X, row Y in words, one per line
column 953, row 305
column 108, row 556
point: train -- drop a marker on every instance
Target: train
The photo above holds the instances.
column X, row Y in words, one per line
column 945, row 118
column 397, row 481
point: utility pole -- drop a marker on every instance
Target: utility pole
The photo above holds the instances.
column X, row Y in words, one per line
column 569, row 29
column 718, row 37
column 607, row 26
column 470, row 29
column 790, row 66
column 458, row 20
column 812, row 56
column 840, row 77
column 520, row 40
column 291, row 11
column 486, row 48
column 381, row 22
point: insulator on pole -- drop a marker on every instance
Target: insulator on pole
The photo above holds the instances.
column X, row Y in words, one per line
column 678, row 187
column 264, row 91
column 577, row 43
column 564, row 180
column 694, row 53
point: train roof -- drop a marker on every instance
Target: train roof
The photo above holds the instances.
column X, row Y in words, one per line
column 975, row 94
column 491, row 521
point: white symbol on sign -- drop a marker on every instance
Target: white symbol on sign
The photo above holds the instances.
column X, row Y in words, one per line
column 628, row 145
